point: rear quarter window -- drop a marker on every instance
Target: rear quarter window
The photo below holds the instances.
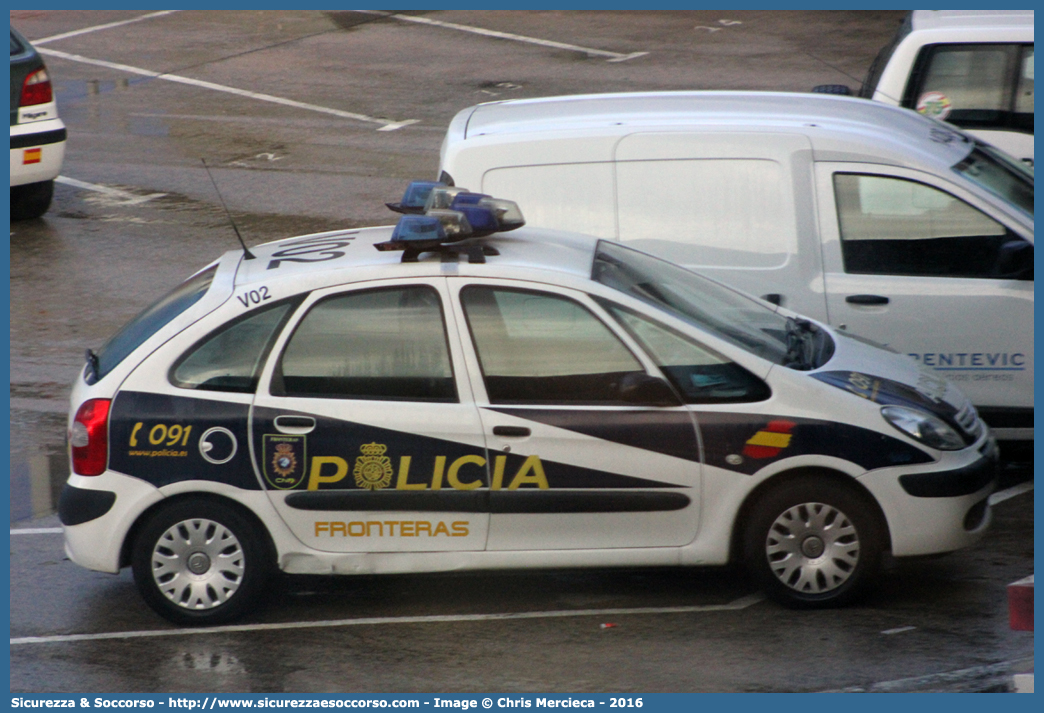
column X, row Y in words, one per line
column 150, row 321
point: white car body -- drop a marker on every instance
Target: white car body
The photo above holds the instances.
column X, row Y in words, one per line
column 471, row 483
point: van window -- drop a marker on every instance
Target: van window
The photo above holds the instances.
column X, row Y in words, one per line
column 388, row 344
column 894, row 226
column 537, row 348
column 568, row 196
column 1000, row 174
column 975, row 86
column 708, row 212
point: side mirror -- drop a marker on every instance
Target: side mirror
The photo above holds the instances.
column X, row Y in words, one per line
column 645, row 390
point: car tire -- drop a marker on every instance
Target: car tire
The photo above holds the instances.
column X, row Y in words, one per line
column 200, row 562
column 813, row 542
column 31, row 200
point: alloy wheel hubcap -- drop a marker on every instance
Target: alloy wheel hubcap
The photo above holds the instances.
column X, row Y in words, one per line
column 198, row 564
column 812, row 548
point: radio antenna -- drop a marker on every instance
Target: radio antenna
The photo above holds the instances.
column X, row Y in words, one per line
column 247, row 255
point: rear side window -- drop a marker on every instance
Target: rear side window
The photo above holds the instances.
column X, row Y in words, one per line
column 975, row 86
column 230, row 359
column 150, row 321
column 893, row 226
column 386, row 344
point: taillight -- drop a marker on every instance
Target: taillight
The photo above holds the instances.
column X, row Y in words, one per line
column 90, row 438
column 36, row 89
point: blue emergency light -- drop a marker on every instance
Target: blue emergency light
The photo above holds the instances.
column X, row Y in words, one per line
column 437, row 216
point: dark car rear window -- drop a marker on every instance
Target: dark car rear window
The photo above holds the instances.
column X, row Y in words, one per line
column 16, row 46
column 150, row 321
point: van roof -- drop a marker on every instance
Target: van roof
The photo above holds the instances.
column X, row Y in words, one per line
column 647, row 109
column 835, row 125
column 980, row 19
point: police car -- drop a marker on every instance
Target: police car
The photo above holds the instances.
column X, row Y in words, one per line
column 461, row 392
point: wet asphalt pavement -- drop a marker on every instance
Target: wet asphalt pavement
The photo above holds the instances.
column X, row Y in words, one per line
column 135, row 213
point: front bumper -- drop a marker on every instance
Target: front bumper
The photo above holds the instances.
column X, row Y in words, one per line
column 933, row 509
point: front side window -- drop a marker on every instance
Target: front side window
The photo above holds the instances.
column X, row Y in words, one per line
column 230, row 359
column 386, row 344
column 537, row 348
column 976, row 86
column 699, row 374
column 893, row 226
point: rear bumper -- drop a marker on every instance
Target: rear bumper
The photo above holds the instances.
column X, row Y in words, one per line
column 37, row 151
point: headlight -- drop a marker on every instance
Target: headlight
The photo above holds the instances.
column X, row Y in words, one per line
column 924, row 427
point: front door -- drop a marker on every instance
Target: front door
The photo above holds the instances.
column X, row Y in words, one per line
column 573, row 465
column 921, row 268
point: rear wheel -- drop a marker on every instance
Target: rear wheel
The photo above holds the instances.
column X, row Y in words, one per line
column 813, row 542
column 31, row 200
column 200, row 562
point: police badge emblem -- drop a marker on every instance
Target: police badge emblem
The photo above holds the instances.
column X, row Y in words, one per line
column 284, row 460
column 373, row 469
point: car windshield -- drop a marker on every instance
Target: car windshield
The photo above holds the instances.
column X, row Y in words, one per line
column 150, row 321
column 738, row 319
column 1000, row 174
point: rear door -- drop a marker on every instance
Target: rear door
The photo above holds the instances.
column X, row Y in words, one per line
column 364, row 428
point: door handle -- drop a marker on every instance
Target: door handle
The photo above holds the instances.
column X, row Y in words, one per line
column 866, row 300
column 294, row 424
column 511, row 431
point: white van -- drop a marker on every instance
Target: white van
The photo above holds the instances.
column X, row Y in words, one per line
column 972, row 68
column 877, row 220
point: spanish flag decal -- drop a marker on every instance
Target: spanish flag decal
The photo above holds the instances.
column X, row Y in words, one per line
column 32, row 156
column 769, row 441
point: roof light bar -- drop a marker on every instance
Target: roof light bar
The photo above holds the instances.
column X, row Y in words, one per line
column 437, row 215
column 415, row 198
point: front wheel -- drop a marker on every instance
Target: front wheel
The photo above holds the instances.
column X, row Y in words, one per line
column 813, row 542
column 200, row 562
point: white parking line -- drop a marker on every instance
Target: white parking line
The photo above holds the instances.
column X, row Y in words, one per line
column 37, row 531
column 1002, row 495
column 741, row 603
column 106, row 26
column 613, row 56
column 386, row 125
column 121, row 197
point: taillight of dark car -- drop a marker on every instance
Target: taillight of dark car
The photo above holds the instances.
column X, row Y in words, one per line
column 90, row 437
column 36, row 89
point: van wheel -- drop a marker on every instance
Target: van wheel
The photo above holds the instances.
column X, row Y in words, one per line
column 200, row 562
column 31, row 200
column 812, row 542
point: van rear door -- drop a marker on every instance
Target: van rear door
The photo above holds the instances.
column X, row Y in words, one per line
column 735, row 206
